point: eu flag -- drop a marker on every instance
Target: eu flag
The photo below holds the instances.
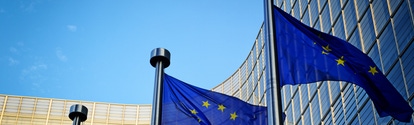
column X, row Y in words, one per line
column 307, row 55
column 184, row 104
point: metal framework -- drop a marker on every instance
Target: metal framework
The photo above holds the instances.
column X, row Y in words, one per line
column 22, row 110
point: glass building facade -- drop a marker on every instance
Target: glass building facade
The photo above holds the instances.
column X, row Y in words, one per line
column 21, row 110
column 383, row 29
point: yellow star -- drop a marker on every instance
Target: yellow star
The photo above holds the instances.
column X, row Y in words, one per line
column 325, row 53
column 199, row 120
column 341, row 61
column 373, row 70
column 206, row 104
column 326, row 48
column 221, row 108
column 193, row 111
column 233, row 116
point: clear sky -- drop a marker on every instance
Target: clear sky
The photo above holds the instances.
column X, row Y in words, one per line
column 99, row 50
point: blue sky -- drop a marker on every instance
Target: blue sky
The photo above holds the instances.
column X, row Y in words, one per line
column 99, row 50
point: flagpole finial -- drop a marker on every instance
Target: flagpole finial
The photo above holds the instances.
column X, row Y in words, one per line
column 78, row 113
column 160, row 54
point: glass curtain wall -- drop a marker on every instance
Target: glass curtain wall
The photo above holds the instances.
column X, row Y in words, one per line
column 21, row 110
column 383, row 29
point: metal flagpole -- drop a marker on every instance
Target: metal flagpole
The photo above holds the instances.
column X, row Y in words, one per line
column 160, row 59
column 78, row 113
column 274, row 100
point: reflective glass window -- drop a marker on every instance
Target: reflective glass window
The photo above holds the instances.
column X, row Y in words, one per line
column 335, row 7
column 355, row 39
column 339, row 30
column 321, row 4
column 288, row 6
column 388, row 47
column 382, row 120
column 314, row 12
column 396, row 122
column 289, row 114
column 250, row 62
column 350, row 17
column 296, row 107
column 381, row 15
column 261, row 86
column 317, row 25
column 306, row 120
column 324, row 97
column 408, row 64
column 315, row 107
column 355, row 122
column 361, row 6
column 254, row 53
column 393, row 4
column 328, row 120
column 367, row 115
column 296, row 11
column 343, row 2
column 305, row 18
column 303, row 91
column 312, row 89
column 349, row 103
column 326, row 20
column 27, row 105
column 412, row 102
column 244, row 91
column 334, row 90
column 361, row 96
column 338, row 112
column 404, row 28
column 367, row 28
column 287, row 93
column 279, row 2
column 293, row 89
column 303, row 6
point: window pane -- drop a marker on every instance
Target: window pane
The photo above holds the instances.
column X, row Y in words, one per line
column 350, row 17
column 404, row 28
column 408, row 64
column 367, row 28
column 397, row 81
column 314, row 12
column 393, row 4
column 326, row 20
column 361, row 6
column 367, row 115
column 381, row 14
column 339, row 30
column 335, row 7
column 388, row 47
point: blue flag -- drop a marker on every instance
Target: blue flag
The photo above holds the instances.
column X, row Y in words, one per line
column 184, row 104
column 307, row 55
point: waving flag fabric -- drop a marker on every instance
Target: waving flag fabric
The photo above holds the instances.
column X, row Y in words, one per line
column 184, row 104
column 307, row 55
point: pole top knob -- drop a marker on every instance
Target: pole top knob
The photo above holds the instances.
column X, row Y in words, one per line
column 160, row 54
column 78, row 110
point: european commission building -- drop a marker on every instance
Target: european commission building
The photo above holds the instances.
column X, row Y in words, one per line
column 383, row 29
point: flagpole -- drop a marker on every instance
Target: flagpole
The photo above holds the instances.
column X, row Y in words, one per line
column 78, row 113
column 274, row 101
column 160, row 59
